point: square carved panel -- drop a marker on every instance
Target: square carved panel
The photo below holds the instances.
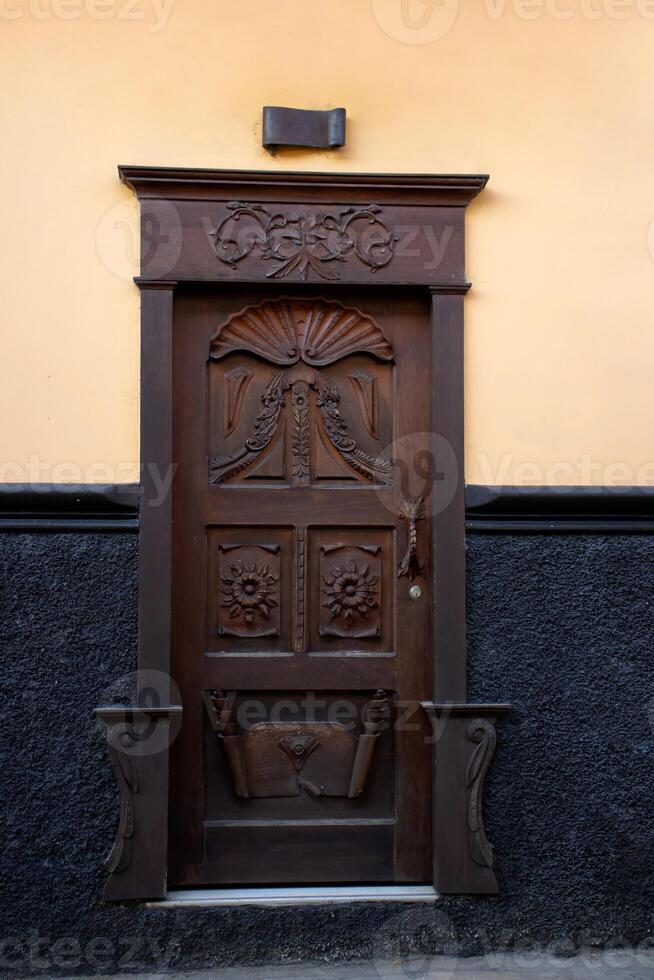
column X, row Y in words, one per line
column 350, row 590
column 250, row 591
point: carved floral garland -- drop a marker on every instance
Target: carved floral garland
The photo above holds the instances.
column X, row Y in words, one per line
column 303, row 242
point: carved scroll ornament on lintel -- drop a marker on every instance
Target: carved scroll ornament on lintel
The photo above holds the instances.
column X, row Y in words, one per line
column 284, row 759
column 300, row 242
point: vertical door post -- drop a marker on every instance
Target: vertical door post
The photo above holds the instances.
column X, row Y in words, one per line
column 139, row 735
column 464, row 734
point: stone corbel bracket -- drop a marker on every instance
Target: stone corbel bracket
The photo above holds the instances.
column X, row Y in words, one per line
column 464, row 742
column 138, row 742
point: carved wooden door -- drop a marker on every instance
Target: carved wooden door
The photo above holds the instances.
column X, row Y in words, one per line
column 299, row 650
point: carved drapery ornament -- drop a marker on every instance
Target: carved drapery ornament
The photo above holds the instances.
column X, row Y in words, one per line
column 301, row 243
column 221, row 468
column 375, row 468
column 286, row 332
column 364, row 386
column 236, row 383
column 283, row 759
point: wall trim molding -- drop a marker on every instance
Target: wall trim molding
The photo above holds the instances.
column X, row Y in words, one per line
column 559, row 510
column 60, row 507
column 193, row 183
column 57, row 507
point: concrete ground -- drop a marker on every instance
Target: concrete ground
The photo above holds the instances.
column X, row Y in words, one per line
column 598, row 966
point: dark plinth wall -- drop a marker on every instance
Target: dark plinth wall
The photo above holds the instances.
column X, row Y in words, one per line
column 561, row 625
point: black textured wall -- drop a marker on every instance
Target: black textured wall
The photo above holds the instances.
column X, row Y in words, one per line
column 561, row 626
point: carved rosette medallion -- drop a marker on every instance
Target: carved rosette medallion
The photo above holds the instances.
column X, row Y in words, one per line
column 351, row 591
column 301, row 243
column 249, row 590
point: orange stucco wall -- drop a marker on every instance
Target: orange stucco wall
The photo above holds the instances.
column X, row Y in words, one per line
column 552, row 98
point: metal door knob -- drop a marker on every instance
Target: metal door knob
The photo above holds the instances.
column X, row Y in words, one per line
column 415, row 592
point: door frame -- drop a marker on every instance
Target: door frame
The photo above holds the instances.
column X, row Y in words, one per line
column 212, row 226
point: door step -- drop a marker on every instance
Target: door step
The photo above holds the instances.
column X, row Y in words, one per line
column 314, row 895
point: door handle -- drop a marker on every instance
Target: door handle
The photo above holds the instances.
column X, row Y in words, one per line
column 411, row 510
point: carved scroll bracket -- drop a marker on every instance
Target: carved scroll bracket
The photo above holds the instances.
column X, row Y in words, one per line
column 464, row 744
column 482, row 733
column 138, row 740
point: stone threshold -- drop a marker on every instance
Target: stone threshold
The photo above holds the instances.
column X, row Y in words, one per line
column 314, row 895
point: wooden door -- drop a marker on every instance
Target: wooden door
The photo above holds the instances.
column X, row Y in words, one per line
column 298, row 650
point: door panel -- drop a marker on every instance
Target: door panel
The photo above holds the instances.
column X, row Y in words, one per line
column 351, row 602
column 250, row 576
column 295, row 644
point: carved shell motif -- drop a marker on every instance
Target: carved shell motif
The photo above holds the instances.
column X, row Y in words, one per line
column 286, row 331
